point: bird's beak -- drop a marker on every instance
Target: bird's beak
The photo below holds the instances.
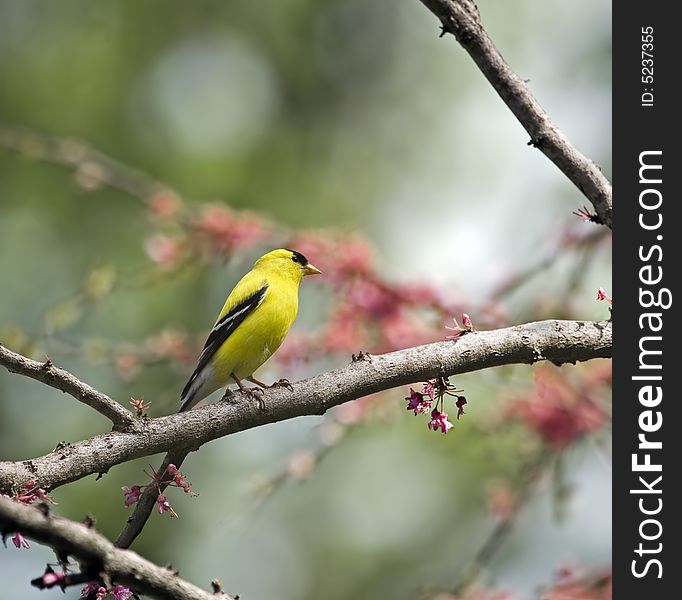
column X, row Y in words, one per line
column 310, row 270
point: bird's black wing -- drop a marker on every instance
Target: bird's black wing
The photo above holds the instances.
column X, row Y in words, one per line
column 224, row 328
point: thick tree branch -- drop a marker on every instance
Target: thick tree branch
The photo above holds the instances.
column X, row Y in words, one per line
column 47, row 373
column 96, row 554
column 461, row 19
column 556, row 341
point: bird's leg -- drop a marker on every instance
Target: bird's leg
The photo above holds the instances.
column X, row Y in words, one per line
column 260, row 384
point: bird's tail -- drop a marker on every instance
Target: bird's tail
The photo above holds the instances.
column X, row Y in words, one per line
column 187, row 401
column 196, row 389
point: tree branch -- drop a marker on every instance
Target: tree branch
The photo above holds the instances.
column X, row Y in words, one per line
column 64, row 381
column 145, row 505
column 96, row 167
column 529, row 478
column 96, row 554
column 556, row 341
column 461, row 19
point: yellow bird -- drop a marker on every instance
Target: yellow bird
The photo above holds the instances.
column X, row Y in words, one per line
column 254, row 321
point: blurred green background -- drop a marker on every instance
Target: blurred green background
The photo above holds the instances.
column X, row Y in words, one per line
column 314, row 114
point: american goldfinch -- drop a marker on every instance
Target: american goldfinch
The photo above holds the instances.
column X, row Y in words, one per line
column 254, row 321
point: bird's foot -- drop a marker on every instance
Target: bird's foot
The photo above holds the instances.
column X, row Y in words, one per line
column 254, row 393
column 283, row 383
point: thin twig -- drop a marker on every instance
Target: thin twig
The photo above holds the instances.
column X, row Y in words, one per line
column 95, row 168
column 532, row 474
column 47, row 373
column 461, row 19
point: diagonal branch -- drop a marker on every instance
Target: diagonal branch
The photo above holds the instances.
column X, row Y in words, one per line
column 533, row 472
column 461, row 19
column 96, row 554
column 557, row 341
column 47, row 373
column 145, row 505
column 89, row 163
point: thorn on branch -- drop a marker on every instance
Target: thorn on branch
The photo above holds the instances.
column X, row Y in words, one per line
column 217, row 588
column 537, row 142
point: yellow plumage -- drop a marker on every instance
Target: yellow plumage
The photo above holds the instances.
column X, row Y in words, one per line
column 252, row 324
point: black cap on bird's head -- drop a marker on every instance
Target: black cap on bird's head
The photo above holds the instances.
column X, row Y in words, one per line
column 298, row 258
column 308, row 269
column 286, row 259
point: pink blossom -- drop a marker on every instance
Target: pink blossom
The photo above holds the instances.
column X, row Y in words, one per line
column 165, row 204
column 602, row 295
column 127, row 364
column 417, row 403
column 51, row 578
column 30, row 492
column 297, row 347
column 416, row 294
column 163, row 250
column 20, row 541
column 357, row 257
column 227, row 230
column 163, row 505
column 344, row 332
column 557, row 411
column 439, row 420
column 179, row 479
column 401, row 329
column 171, row 344
column 467, row 325
column 430, row 389
column 121, row 592
column 372, row 299
column 461, row 401
column 132, row 494
column 339, row 257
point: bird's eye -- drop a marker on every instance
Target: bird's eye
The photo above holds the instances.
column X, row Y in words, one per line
column 297, row 257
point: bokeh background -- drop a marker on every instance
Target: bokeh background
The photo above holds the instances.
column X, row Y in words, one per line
column 321, row 115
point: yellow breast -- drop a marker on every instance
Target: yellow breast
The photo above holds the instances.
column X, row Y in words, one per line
column 260, row 334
